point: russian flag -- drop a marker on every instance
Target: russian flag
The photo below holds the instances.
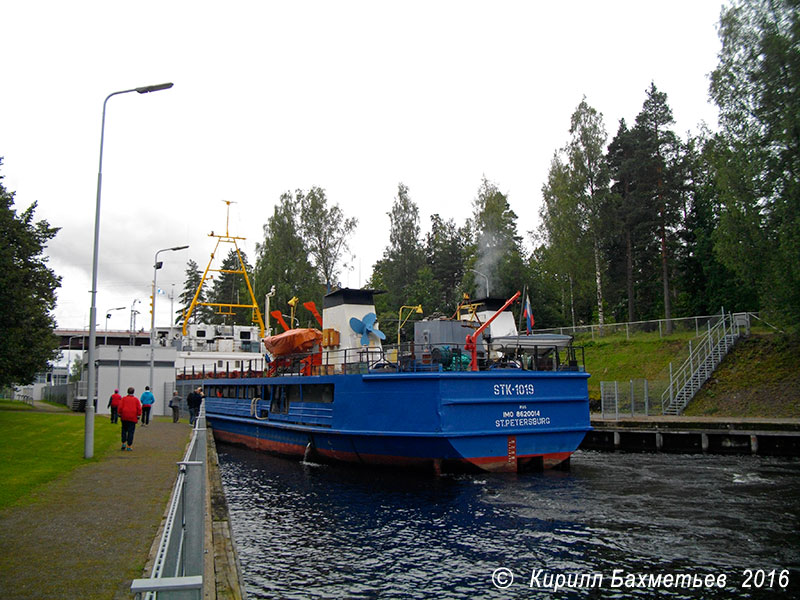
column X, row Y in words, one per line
column 528, row 314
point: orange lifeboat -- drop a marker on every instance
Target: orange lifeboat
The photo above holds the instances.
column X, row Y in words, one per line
column 293, row 341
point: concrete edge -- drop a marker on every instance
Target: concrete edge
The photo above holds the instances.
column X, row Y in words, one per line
column 226, row 567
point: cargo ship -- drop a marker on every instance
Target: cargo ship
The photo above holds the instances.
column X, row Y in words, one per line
column 469, row 393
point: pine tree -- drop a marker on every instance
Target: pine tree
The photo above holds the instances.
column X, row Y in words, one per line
column 403, row 257
column 192, row 281
column 657, row 187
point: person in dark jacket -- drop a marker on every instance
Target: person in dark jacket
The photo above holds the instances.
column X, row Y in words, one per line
column 175, row 405
column 193, row 401
column 130, row 409
column 113, row 404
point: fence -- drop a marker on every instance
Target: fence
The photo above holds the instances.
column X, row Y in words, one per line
column 664, row 327
column 68, row 394
column 670, row 390
column 626, row 398
column 178, row 569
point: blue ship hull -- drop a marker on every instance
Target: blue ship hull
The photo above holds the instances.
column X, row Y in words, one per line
column 495, row 420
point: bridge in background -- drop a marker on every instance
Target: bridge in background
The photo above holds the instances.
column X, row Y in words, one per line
column 78, row 339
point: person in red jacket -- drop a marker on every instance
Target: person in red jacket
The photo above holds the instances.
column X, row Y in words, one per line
column 113, row 404
column 130, row 409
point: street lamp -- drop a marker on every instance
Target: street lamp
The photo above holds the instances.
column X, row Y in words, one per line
column 485, row 277
column 88, row 440
column 400, row 322
column 108, row 316
column 132, row 325
column 156, row 266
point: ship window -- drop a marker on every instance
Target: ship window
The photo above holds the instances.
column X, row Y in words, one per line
column 244, row 335
column 280, row 401
column 200, row 333
column 293, row 392
column 219, row 364
column 318, row 392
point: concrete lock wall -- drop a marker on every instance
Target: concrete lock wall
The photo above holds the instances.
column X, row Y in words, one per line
column 121, row 367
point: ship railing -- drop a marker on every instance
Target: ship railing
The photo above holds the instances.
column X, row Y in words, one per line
column 178, row 568
column 412, row 358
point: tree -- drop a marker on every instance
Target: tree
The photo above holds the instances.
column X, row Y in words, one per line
column 325, row 231
column 445, row 250
column 589, row 181
column 403, row 257
column 627, row 215
column 76, row 369
column 565, row 254
column 27, row 294
column 498, row 254
column 757, row 153
column 201, row 314
column 705, row 283
column 657, row 185
column 282, row 259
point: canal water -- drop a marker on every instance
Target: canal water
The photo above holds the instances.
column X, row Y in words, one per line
column 615, row 526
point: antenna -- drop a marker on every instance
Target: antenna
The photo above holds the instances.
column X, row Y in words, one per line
column 219, row 306
column 228, row 215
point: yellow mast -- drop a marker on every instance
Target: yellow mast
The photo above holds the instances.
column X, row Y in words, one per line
column 226, row 239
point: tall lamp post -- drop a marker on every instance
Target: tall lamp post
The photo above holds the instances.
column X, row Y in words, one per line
column 88, row 439
column 156, row 266
column 485, row 277
column 108, row 316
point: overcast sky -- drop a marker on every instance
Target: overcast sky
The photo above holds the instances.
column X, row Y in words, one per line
column 354, row 97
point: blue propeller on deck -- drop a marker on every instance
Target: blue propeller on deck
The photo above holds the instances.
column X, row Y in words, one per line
column 366, row 326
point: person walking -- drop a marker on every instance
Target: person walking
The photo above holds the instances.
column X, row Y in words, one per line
column 194, row 400
column 113, row 404
column 147, row 404
column 175, row 405
column 130, row 409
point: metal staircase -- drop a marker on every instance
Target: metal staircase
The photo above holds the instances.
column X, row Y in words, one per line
column 703, row 358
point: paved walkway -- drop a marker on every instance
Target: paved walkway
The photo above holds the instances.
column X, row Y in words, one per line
column 679, row 421
column 88, row 535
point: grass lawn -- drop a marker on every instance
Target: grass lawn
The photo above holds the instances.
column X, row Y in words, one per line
column 37, row 447
column 642, row 357
column 14, row 405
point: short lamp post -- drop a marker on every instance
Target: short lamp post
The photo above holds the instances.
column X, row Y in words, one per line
column 156, row 266
column 400, row 321
column 88, row 439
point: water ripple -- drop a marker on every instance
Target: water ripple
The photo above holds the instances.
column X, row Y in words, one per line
column 317, row 531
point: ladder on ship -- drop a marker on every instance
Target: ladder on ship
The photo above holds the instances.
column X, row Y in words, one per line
column 704, row 357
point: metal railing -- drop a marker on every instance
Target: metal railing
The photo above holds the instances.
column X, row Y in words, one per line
column 409, row 357
column 178, row 568
column 704, row 357
column 664, row 327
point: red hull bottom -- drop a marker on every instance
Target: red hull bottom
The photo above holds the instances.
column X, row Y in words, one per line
column 495, row 464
